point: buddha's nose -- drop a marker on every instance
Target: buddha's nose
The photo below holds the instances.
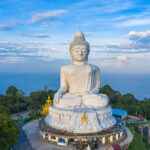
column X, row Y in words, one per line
column 81, row 53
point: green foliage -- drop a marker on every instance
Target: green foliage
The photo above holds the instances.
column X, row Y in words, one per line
column 14, row 100
column 137, row 143
column 127, row 102
column 11, row 91
column 4, row 110
column 36, row 99
column 9, row 132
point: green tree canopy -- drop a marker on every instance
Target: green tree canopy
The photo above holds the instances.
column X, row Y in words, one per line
column 11, row 91
column 9, row 132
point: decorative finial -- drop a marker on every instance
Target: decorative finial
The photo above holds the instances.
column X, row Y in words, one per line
column 49, row 98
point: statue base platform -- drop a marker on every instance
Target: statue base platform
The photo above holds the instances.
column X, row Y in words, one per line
column 114, row 134
column 80, row 119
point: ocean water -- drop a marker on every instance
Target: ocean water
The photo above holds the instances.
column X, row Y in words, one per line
column 138, row 85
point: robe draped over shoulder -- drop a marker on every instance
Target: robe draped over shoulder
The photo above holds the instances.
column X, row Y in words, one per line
column 76, row 80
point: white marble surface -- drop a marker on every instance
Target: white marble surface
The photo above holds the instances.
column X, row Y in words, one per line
column 79, row 81
column 71, row 119
column 78, row 105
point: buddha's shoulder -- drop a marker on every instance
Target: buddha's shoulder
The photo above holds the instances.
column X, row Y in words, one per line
column 94, row 67
column 66, row 67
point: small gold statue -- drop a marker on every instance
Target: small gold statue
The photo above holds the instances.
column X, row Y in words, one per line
column 45, row 108
column 84, row 119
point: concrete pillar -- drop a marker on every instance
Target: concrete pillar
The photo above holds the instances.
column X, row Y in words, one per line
column 43, row 135
column 141, row 131
column 116, row 136
column 148, row 138
column 103, row 140
column 66, row 141
column 49, row 137
column 88, row 148
column 111, row 138
column 57, row 139
column 121, row 134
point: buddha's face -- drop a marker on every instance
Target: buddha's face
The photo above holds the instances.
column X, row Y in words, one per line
column 79, row 53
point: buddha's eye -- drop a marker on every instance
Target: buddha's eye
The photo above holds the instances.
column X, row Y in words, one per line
column 84, row 51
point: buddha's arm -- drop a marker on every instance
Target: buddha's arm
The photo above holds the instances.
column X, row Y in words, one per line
column 63, row 82
column 95, row 90
column 63, row 87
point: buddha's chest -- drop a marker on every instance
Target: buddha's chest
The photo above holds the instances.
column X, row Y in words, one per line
column 79, row 73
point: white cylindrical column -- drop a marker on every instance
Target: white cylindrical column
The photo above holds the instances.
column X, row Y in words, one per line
column 103, row 140
column 111, row 138
column 43, row 135
column 57, row 139
column 66, row 141
column 49, row 137
column 116, row 136
column 121, row 134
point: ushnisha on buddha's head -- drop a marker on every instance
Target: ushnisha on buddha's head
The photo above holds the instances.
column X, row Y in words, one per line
column 79, row 48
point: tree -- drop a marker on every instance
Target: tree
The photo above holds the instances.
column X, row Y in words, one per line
column 127, row 99
column 11, row 91
column 4, row 110
column 9, row 132
column 113, row 95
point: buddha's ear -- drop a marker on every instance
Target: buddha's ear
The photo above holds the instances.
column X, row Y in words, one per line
column 86, row 60
column 71, row 57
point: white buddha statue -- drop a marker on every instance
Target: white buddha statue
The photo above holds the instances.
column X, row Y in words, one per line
column 80, row 81
column 78, row 106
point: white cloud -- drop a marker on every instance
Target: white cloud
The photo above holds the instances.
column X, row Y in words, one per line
column 46, row 16
column 139, row 36
column 11, row 59
column 35, row 35
column 122, row 58
column 32, row 51
column 134, row 22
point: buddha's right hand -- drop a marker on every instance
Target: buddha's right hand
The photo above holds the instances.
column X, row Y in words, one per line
column 57, row 97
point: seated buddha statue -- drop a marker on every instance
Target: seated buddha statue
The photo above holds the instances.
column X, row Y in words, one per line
column 80, row 81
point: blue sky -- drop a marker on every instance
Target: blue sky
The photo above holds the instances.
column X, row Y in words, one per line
column 35, row 34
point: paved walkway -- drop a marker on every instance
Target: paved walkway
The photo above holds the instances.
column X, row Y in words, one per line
column 128, row 139
column 31, row 130
column 23, row 143
column 20, row 115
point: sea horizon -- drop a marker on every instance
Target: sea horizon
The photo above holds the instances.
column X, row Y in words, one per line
column 138, row 85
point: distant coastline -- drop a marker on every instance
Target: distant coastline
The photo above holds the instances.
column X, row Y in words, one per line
column 138, row 85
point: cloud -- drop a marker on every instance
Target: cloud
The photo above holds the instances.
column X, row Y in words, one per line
column 12, row 59
column 35, row 35
column 128, row 47
column 142, row 37
column 122, row 58
column 134, row 22
column 46, row 16
column 139, row 42
column 32, row 51
column 6, row 27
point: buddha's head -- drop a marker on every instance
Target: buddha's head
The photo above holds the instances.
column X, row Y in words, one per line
column 79, row 48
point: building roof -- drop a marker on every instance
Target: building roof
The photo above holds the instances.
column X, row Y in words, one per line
column 120, row 112
column 116, row 147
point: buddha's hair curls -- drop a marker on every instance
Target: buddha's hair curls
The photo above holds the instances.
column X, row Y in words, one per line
column 80, row 40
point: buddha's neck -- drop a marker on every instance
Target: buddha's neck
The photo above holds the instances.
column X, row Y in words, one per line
column 78, row 63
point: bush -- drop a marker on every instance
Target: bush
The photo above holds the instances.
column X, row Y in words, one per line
column 9, row 132
column 137, row 143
